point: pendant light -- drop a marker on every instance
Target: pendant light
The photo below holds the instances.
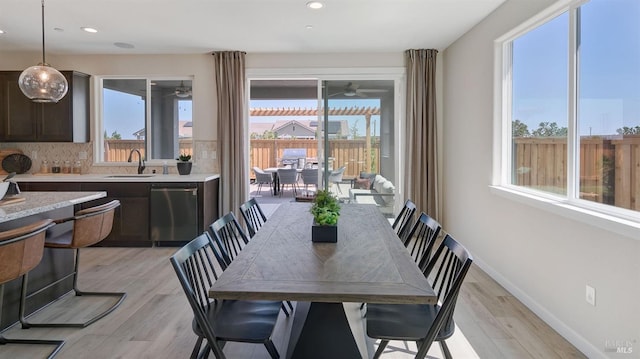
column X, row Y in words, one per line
column 43, row 83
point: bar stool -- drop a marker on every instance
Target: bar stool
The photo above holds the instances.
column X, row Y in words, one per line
column 90, row 226
column 20, row 251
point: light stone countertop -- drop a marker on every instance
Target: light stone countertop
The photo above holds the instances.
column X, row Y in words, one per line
column 110, row 177
column 39, row 202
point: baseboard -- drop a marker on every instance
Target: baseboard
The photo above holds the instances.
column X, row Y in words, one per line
column 564, row 330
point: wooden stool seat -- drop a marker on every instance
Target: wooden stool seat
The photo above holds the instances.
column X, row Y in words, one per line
column 21, row 250
column 90, row 226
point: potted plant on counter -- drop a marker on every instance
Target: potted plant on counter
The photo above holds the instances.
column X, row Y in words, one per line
column 184, row 164
column 325, row 211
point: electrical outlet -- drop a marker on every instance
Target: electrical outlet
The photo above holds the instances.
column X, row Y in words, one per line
column 214, row 155
column 204, row 155
column 590, row 296
column 82, row 155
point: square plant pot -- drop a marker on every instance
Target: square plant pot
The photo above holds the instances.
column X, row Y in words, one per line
column 325, row 234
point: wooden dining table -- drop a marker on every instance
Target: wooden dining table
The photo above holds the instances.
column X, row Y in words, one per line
column 368, row 264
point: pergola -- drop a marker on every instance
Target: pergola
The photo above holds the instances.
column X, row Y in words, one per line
column 367, row 112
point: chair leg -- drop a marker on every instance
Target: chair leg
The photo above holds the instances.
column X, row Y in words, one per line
column 445, row 349
column 3, row 340
column 381, row 346
column 196, row 348
column 271, row 349
column 78, row 293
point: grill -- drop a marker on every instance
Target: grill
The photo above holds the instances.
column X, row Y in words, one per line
column 293, row 157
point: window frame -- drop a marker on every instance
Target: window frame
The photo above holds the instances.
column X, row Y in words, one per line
column 619, row 220
column 98, row 145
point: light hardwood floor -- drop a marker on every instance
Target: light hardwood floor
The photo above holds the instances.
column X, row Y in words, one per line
column 155, row 319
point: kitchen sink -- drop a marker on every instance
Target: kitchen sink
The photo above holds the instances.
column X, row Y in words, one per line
column 129, row 176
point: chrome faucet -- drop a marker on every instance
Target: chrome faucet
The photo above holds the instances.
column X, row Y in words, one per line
column 141, row 166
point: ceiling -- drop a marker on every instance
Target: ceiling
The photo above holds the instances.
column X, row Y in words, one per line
column 254, row 26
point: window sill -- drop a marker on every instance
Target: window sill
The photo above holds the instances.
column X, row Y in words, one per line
column 598, row 219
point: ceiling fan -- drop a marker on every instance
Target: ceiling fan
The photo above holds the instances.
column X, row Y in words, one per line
column 182, row 91
column 354, row 90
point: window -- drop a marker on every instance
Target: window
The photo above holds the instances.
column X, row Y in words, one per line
column 571, row 102
column 151, row 115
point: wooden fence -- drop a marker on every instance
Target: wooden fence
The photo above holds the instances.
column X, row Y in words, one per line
column 609, row 168
column 350, row 153
column 118, row 150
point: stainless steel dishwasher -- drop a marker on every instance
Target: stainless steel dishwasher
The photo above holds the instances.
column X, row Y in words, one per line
column 174, row 213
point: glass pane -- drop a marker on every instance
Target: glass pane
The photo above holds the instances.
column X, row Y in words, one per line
column 539, row 107
column 124, row 113
column 609, row 102
column 170, row 113
column 360, row 131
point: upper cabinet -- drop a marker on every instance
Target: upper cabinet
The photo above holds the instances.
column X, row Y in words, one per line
column 22, row 120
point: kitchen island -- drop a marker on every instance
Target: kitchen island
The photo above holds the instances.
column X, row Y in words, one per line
column 142, row 220
column 55, row 263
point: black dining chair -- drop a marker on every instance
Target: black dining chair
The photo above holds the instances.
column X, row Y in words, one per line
column 230, row 239
column 253, row 216
column 220, row 321
column 421, row 239
column 424, row 323
column 403, row 222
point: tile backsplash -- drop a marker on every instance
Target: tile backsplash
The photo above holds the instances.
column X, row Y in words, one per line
column 204, row 153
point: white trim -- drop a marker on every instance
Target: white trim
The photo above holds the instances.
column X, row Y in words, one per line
column 562, row 207
column 554, row 322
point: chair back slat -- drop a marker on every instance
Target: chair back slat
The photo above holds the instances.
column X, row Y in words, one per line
column 404, row 221
column 253, row 216
column 421, row 239
column 229, row 237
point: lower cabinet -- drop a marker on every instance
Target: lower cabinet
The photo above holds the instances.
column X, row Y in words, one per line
column 131, row 222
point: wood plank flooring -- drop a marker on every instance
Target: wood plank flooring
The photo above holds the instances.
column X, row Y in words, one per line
column 155, row 319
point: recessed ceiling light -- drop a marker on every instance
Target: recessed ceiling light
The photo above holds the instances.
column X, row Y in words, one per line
column 58, row 29
column 89, row 29
column 1, row 32
column 315, row 5
column 123, row 45
column 309, row 27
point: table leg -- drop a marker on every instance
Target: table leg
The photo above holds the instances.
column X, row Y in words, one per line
column 321, row 331
column 276, row 184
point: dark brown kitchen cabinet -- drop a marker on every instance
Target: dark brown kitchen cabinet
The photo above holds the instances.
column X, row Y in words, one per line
column 22, row 120
column 131, row 219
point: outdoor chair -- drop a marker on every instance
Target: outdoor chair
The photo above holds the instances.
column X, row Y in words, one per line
column 253, row 216
column 288, row 176
column 335, row 177
column 424, row 323
column 220, row 321
column 262, row 178
column 21, row 250
column 310, row 177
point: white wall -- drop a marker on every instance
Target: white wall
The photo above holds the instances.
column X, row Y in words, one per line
column 544, row 259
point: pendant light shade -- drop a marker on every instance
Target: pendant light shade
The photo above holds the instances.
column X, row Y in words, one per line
column 43, row 83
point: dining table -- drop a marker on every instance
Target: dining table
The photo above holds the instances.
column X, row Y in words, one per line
column 368, row 264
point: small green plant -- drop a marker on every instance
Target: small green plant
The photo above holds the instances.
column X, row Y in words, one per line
column 325, row 209
column 184, row 157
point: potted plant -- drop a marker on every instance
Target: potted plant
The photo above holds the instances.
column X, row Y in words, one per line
column 184, row 164
column 325, row 211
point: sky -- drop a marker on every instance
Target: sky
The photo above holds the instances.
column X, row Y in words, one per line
column 609, row 69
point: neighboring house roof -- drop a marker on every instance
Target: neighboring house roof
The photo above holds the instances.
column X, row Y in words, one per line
column 185, row 130
column 294, row 128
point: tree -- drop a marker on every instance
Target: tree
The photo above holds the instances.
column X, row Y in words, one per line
column 519, row 129
column 116, row 136
column 354, row 130
column 629, row 130
column 549, row 129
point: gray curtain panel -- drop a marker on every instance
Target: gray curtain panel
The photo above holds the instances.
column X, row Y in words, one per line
column 420, row 180
column 230, row 86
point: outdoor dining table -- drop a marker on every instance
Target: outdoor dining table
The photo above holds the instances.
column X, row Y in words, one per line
column 368, row 264
column 276, row 181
